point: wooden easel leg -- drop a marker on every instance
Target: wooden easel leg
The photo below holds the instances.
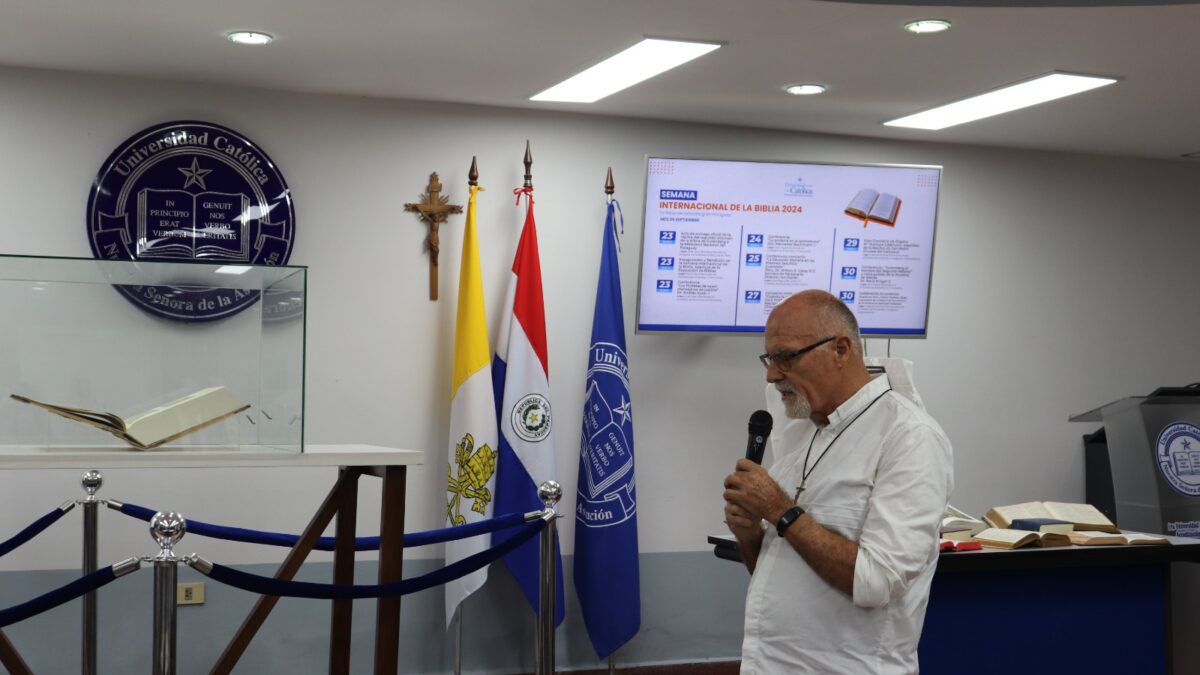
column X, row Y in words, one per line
column 343, row 573
column 10, row 659
column 391, row 560
column 241, row 640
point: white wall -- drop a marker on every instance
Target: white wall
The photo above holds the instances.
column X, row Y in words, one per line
column 1060, row 282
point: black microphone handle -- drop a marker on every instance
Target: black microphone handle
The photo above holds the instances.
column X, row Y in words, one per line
column 756, row 445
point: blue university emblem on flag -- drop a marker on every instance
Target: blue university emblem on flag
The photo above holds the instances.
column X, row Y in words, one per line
column 606, row 497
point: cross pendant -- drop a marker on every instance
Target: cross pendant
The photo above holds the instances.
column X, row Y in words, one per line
column 798, row 491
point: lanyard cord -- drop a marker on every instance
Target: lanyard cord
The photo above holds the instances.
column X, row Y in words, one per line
column 805, row 472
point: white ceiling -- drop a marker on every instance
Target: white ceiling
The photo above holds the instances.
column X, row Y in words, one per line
column 499, row 52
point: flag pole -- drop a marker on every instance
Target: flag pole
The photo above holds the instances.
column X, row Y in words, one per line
column 458, row 619
column 472, row 181
column 540, row 662
column 609, row 188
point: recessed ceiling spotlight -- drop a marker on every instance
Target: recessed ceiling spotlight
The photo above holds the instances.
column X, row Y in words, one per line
column 927, row 26
column 805, row 89
column 250, row 37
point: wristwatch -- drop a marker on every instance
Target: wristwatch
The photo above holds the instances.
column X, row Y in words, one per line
column 786, row 520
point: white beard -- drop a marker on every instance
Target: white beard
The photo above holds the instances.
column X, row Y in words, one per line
column 797, row 407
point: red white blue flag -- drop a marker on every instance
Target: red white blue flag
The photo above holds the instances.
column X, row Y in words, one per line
column 520, row 376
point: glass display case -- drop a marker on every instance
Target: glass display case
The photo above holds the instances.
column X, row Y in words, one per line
column 161, row 355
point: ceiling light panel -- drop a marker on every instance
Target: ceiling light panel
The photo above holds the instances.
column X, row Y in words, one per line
column 1014, row 97
column 640, row 62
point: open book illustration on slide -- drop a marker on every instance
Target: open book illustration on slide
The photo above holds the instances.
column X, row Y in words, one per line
column 158, row 425
column 874, row 206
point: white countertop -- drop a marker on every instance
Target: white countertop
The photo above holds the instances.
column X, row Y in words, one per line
column 111, row 457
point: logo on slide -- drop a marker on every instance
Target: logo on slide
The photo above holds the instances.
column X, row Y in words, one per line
column 753, row 260
column 666, row 263
column 850, row 244
column 665, row 285
column 797, row 188
column 754, row 241
column 846, row 297
column 1177, row 454
column 666, row 236
column 849, row 272
column 681, row 195
column 753, row 297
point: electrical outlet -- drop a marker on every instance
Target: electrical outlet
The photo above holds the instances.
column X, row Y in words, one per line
column 190, row 593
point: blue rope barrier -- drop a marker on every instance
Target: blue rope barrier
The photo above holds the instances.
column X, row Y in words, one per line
column 58, row 596
column 32, row 530
column 267, row 538
column 261, row 585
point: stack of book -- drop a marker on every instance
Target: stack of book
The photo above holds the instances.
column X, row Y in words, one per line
column 1041, row 524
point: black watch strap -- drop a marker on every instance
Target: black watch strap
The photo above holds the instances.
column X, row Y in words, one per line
column 786, row 520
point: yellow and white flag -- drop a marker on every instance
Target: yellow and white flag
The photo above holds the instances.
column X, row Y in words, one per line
column 473, row 439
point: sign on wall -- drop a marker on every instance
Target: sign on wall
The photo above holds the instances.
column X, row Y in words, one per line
column 190, row 191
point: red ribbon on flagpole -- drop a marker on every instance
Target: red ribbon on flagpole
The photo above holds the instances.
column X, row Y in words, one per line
column 526, row 191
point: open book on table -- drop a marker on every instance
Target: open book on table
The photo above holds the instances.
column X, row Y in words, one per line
column 960, row 525
column 995, row 537
column 1084, row 538
column 1081, row 516
column 158, row 425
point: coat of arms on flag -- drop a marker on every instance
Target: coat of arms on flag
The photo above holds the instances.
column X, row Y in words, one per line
column 475, row 471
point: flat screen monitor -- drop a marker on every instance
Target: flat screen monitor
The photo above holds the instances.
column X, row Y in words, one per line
column 725, row 241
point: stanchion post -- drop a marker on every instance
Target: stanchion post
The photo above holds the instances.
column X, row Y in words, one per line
column 167, row 529
column 91, row 481
column 549, row 492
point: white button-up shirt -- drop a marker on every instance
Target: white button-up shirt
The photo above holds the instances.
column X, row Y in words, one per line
column 884, row 484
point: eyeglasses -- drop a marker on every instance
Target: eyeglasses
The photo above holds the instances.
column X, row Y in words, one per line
column 783, row 359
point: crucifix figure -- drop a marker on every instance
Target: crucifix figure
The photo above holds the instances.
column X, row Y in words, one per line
column 434, row 209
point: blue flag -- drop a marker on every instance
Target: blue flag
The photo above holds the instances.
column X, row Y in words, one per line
column 606, row 544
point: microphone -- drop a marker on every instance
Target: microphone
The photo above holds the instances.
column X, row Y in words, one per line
column 760, row 429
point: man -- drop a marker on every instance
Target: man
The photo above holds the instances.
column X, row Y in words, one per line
column 840, row 537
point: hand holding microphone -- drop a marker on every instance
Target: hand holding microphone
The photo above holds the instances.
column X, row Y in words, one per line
column 750, row 493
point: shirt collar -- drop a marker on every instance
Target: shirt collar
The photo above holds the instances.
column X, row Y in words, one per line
column 861, row 399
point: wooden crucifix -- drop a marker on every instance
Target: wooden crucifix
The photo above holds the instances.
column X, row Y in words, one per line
column 434, row 209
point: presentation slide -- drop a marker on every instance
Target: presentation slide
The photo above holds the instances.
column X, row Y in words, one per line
column 726, row 241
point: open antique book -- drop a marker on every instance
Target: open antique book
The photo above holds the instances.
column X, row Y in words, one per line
column 1081, row 516
column 960, row 525
column 159, row 425
column 995, row 537
column 1123, row 539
